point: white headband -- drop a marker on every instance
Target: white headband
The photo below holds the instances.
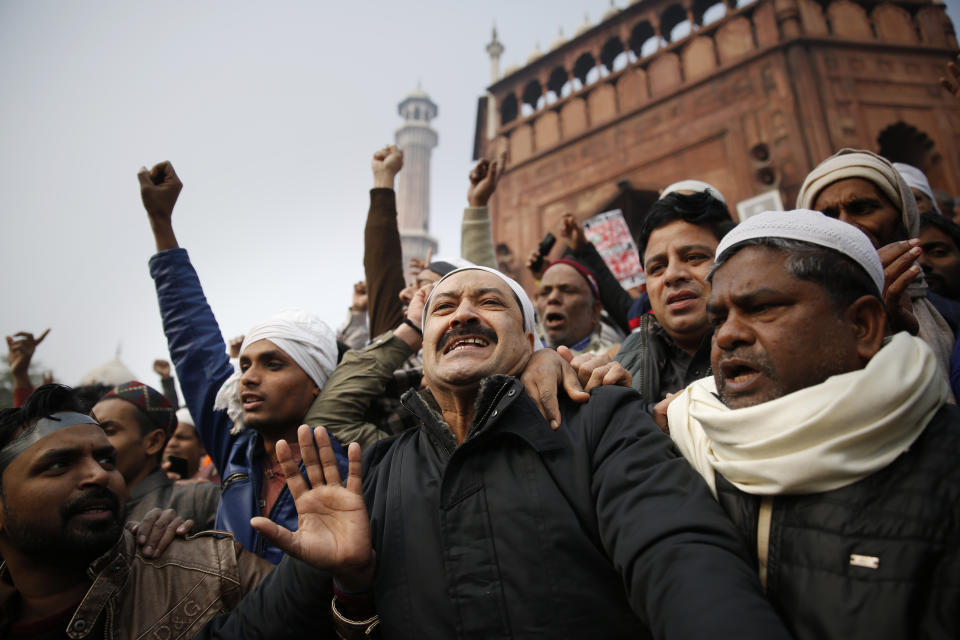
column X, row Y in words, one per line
column 301, row 335
column 526, row 307
column 813, row 227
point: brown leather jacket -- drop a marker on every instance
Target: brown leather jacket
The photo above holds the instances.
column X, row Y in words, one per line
column 168, row 597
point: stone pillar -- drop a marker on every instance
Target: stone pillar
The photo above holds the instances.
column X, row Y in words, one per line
column 417, row 140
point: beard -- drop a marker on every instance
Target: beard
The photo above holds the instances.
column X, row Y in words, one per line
column 74, row 543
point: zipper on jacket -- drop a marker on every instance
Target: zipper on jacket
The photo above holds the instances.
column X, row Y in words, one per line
column 493, row 403
column 644, row 358
column 233, row 477
column 764, row 518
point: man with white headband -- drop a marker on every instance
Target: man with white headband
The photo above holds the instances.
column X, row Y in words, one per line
column 484, row 522
column 830, row 445
column 70, row 568
column 865, row 190
column 284, row 363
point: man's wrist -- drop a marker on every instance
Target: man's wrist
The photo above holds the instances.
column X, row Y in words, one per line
column 21, row 380
column 383, row 180
column 409, row 333
column 163, row 234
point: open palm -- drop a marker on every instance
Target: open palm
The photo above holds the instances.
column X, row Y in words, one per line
column 333, row 531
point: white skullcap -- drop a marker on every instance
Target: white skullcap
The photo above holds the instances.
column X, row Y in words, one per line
column 813, row 227
column 916, row 179
column 526, row 307
column 855, row 163
column 183, row 415
column 301, row 335
column 694, row 185
column 442, row 265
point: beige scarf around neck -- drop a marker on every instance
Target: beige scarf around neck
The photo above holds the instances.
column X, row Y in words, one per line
column 816, row 439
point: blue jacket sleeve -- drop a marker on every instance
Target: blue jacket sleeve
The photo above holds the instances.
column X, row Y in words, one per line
column 196, row 346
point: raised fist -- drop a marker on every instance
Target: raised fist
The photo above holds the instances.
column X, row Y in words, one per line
column 359, row 297
column 572, row 231
column 159, row 188
column 161, row 368
column 386, row 164
column 483, row 180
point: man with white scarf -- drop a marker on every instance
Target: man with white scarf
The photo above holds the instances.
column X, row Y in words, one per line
column 830, row 445
column 863, row 189
column 284, row 363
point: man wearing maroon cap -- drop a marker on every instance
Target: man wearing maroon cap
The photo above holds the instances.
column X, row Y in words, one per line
column 138, row 421
column 568, row 306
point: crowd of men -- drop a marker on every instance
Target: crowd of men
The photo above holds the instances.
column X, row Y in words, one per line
column 762, row 443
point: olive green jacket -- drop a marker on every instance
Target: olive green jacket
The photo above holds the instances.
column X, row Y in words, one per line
column 359, row 378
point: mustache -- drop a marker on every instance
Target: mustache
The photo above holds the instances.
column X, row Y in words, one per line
column 96, row 496
column 469, row 330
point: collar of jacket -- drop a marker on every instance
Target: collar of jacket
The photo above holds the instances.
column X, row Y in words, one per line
column 498, row 396
column 108, row 574
column 155, row 480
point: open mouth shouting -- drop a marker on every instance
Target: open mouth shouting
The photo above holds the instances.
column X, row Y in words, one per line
column 466, row 340
column 554, row 320
column 741, row 379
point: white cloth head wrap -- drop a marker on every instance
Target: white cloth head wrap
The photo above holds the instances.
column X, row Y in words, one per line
column 854, row 163
column 916, row 179
column 183, row 415
column 526, row 306
column 694, row 185
column 813, row 227
column 301, row 335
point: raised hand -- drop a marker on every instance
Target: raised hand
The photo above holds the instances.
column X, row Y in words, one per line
column 333, row 531
column 483, row 180
column 359, row 302
column 899, row 270
column 533, row 261
column 233, row 346
column 572, row 231
column 161, row 368
column 21, row 347
column 159, row 189
column 386, row 164
column 416, row 265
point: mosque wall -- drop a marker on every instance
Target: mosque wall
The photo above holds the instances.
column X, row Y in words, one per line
column 749, row 102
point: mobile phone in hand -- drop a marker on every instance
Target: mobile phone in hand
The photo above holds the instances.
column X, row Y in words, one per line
column 543, row 249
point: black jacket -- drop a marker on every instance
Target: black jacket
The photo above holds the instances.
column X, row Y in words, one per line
column 907, row 516
column 647, row 353
column 597, row 530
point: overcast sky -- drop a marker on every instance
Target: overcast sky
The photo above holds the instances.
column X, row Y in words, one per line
column 269, row 111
